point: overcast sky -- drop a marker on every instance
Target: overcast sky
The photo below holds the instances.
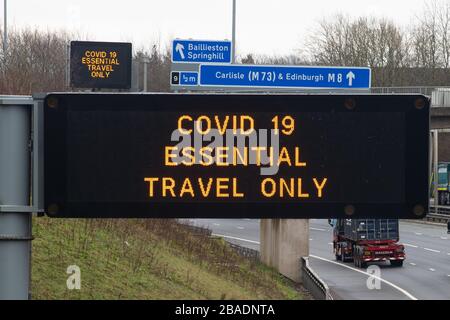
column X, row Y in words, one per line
column 263, row 26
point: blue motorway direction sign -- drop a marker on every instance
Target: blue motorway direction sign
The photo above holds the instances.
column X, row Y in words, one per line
column 285, row 76
column 201, row 51
column 184, row 78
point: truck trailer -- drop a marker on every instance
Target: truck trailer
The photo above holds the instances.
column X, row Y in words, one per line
column 364, row 241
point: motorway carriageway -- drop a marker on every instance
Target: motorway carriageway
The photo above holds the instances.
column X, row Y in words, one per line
column 424, row 275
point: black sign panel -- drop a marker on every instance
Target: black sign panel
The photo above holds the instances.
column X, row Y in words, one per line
column 100, row 64
column 175, row 78
column 236, row 155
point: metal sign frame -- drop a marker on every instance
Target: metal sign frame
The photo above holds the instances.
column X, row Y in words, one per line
column 36, row 155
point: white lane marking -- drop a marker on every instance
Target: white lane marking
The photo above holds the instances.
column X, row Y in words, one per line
column 247, row 219
column 317, row 229
column 330, row 243
column 432, row 250
column 216, row 224
column 412, row 263
column 410, row 245
column 448, row 253
column 418, row 233
column 406, row 293
column 239, row 227
column 235, row 238
column 444, row 238
column 311, row 239
column 432, row 270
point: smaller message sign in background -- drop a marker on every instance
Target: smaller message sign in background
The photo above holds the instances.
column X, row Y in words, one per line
column 100, row 65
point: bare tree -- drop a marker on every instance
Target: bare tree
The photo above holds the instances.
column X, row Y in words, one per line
column 430, row 38
column 425, row 38
column 329, row 44
column 377, row 43
column 443, row 21
column 34, row 62
column 158, row 67
column 248, row 59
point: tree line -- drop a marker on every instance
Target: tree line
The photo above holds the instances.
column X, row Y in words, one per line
column 418, row 55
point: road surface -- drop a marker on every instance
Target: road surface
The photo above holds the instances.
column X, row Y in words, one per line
column 425, row 274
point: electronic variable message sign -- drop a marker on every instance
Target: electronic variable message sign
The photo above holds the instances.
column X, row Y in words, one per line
column 100, row 65
column 236, row 155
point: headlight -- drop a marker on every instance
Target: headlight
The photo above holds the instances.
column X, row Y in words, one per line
column 400, row 249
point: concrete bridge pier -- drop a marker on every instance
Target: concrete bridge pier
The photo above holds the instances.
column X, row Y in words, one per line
column 282, row 243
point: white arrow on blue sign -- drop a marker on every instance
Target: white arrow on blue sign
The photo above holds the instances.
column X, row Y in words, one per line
column 201, row 51
column 285, row 76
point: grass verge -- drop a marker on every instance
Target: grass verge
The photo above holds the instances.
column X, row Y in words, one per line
column 145, row 259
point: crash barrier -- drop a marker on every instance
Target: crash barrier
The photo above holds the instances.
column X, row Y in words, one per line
column 312, row 282
column 440, row 96
column 439, row 214
column 199, row 230
column 245, row 252
column 242, row 251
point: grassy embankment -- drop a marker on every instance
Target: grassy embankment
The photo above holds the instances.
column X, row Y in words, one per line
column 145, row 259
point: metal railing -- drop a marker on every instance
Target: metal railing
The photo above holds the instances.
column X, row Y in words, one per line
column 439, row 214
column 206, row 232
column 443, row 210
column 198, row 230
column 421, row 90
column 440, row 96
column 245, row 252
column 311, row 281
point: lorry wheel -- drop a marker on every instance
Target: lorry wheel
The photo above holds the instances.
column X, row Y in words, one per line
column 397, row 263
column 359, row 263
